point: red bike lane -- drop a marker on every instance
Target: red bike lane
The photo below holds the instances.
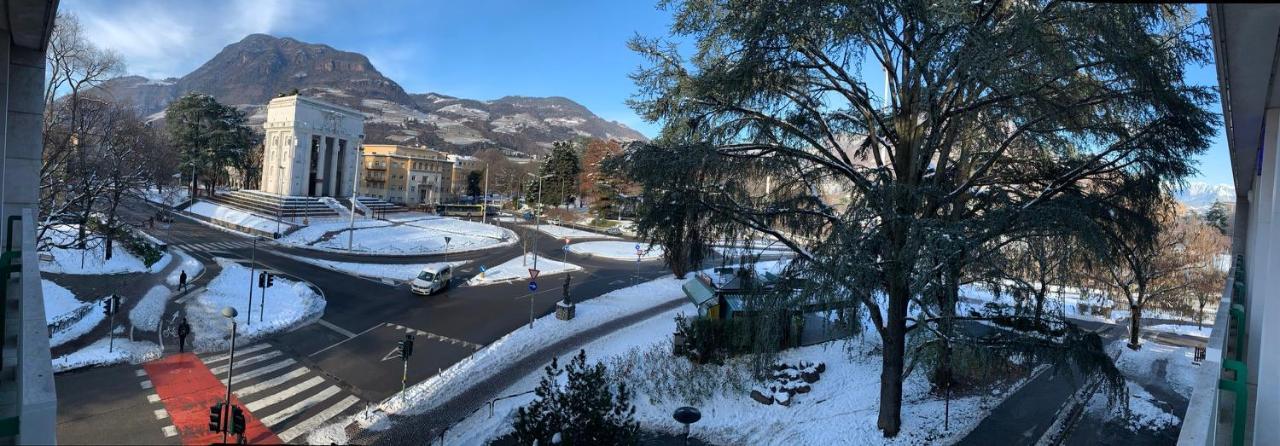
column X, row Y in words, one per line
column 188, row 389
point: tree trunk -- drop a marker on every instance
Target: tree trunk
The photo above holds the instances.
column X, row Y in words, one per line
column 1135, row 326
column 892, row 361
column 1040, row 296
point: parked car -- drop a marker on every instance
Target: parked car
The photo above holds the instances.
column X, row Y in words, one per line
column 613, row 231
column 433, row 278
column 528, row 216
column 554, row 221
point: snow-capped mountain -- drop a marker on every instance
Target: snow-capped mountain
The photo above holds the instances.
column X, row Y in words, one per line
column 1200, row 195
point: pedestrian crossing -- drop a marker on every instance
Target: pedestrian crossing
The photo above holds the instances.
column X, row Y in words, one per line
column 289, row 398
column 216, row 246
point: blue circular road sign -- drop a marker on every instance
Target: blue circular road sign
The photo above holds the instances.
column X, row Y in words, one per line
column 533, row 286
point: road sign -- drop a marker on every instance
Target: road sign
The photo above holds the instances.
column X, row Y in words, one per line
column 533, row 274
column 566, row 240
column 566, row 248
column 533, row 286
column 638, row 247
column 482, row 268
column 447, row 240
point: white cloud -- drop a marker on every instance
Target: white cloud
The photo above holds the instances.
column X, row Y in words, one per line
column 159, row 40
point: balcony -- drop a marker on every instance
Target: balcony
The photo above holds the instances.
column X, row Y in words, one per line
column 1218, row 411
column 28, row 401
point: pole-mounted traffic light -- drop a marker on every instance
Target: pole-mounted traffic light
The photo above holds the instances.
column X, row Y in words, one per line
column 215, row 417
column 271, row 280
column 106, row 307
column 406, row 347
column 237, row 421
column 262, row 279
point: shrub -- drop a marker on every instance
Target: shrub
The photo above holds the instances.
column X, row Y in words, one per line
column 581, row 410
column 663, row 378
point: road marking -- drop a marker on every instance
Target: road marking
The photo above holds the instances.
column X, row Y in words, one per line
column 170, row 431
column 222, row 357
column 347, row 339
column 291, row 411
column 145, row 384
column 318, row 419
column 161, row 414
column 336, row 328
column 139, row 373
column 436, row 337
column 153, row 398
column 249, row 361
column 394, row 353
column 277, row 397
column 296, row 373
column 260, row 371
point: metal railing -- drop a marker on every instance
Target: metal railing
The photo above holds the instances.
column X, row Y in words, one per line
column 28, row 414
column 1209, row 420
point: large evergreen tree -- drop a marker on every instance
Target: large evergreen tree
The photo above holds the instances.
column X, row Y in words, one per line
column 209, row 136
column 1217, row 217
column 1000, row 118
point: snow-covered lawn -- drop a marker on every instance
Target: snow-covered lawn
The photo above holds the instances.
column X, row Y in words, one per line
column 512, row 347
column 1194, row 331
column 171, row 196
column 421, row 235
column 561, row 232
column 396, row 271
column 59, row 302
column 1145, row 412
column 288, row 304
column 191, row 265
column 841, row 408
column 1147, row 364
column 97, row 353
column 91, row 261
column 518, row 269
column 236, row 216
column 616, row 250
column 146, row 314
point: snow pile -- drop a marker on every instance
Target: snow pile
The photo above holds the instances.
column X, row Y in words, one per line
column 146, row 314
column 59, row 302
column 91, row 261
column 391, row 271
column 616, row 250
column 514, row 346
column 518, row 269
column 561, row 232
column 191, row 265
column 1194, row 331
column 1159, row 363
column 103, row 352
column 288, row 304
column 234, row 216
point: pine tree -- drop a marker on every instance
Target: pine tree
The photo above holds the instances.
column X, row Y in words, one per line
column 1216, row 216
column 582, row 409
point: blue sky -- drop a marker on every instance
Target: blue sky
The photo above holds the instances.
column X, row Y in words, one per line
column 479, row 49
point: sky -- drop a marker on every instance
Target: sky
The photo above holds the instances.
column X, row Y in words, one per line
column 476, row 49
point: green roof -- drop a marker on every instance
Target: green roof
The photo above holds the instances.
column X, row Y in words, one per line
column 699, row 293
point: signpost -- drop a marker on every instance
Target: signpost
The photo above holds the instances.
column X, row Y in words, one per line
column 446, row 249
column 566, row 250
column 533, row 286
column 639, row 253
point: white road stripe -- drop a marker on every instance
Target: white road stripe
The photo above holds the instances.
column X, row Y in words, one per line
column 161, row 414
column 153, row 398
column 240, row 351
column 145, row 384
column 259, row 372
column 336, row 328
column 278, row 417
column 140, row 373
column 245, row 363
column 170, row 431
column 296, row 373
column 285, row 394
column 318, row 419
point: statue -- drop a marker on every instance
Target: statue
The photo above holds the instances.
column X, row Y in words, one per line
column 567, row 299
column 565, row 308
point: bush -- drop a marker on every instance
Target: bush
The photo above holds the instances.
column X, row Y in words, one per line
column 663, row 378
column 714, row 340
column 580, row 410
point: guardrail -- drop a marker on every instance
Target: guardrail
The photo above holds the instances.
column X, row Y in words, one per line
column 28, row 415
column 1209, row 420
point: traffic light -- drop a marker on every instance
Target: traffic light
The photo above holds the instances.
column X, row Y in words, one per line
column 262, row 279
column 237, row 421
column 215, row 418
column 271, row 280
column 111, row 305
column 106, row 307
column 406, row 347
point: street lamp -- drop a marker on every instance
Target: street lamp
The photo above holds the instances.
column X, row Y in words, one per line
column 230, row 314
column 351, row 227
column 537, row 217
column 279, row 190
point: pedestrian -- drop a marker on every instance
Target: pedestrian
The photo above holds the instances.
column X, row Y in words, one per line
column 184, row 329
column 182, row 281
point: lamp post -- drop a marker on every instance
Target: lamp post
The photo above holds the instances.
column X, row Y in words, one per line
column 351, row 227
column 230, row 314
column 253, row 263
column 279, row 190
column 537, row 217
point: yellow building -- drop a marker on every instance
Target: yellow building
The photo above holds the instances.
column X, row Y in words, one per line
column 403, row 174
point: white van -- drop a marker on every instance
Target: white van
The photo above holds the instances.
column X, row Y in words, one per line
column 432, row 278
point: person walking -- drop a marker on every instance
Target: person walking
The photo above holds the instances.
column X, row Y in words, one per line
column 184, row 329
column 182, row 281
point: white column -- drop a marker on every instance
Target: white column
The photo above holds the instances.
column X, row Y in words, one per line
column 1264, row 316
column 1261, row 280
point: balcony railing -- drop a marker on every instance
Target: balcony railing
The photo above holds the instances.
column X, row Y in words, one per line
column 1219, row 406
column 28, row 401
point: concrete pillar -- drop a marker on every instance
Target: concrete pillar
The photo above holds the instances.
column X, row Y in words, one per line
column 1264, row 364
column 22, row 88
column 1240, row 226
column 1262, row 280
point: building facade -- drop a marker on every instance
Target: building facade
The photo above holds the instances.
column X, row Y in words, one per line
column 310, row 148
column 403, row 174
column 462, row 168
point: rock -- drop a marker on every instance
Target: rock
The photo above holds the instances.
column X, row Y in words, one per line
column 761, row 397
column 803, row 388
column 779, row 365
column 822, row 367
column 782, row 398
column 810, row 377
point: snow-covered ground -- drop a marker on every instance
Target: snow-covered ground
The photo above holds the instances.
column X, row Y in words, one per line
column 1194, row 331
column 412, row 235
column 616, row 250
column 171, row 196
column 512, row 347
column 518, row 269
column 236, row 216
column 1156, row 362
column 191, row 265
column 91, row 261
column 1145, row 411
column 103, row 352
column 396, row 271
column 59, row 302
column 561, row 232
column 146, row 314
column 288, row 304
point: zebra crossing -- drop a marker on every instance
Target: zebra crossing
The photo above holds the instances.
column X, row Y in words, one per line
column 289, row 398
column 215, row 246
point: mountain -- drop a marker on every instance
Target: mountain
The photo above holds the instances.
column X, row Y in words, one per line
column 1200, row 195
column 250, row 72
